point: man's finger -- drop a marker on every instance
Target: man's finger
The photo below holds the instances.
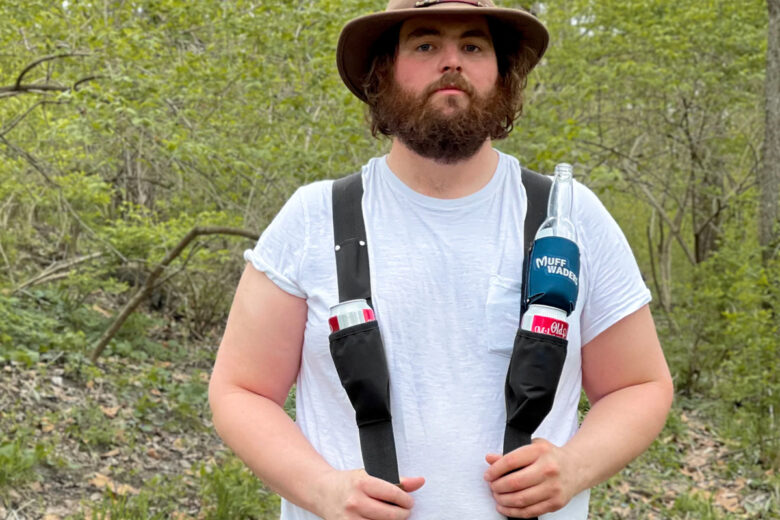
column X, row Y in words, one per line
column 517, row 480
column 519, row 458
column 386, row 492
column 492, row 457
column 525, row 497
column 379, row 510
column 410, row 484
column 529, row 512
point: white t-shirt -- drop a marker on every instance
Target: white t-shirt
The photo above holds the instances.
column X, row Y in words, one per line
column 445, row 278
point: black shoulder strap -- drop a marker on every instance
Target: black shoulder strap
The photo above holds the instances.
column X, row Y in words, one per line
column 349, row 235
column 537, row 189
column 349, row 232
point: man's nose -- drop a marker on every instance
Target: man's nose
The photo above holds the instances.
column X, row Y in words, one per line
column 450, row 59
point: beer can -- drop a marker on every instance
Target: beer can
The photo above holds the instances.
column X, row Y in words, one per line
column 349, row 313
column 545, row 320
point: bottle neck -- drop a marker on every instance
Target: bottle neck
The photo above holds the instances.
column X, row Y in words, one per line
column 559, row 205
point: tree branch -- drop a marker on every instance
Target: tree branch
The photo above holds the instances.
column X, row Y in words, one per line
column 14, row 90
column 665, row 216
column 149, row 284
column 33, row 88
column 628, row 166
column 84, row 80
column 19, row 88
column 37, row 62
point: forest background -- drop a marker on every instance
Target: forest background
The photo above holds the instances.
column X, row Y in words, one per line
column 145, row 143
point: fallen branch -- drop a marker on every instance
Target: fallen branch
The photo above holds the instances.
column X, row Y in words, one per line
column 149, row 284
column 56, row 271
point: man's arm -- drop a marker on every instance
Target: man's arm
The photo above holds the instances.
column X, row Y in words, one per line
column 256, row 365
column 628, row 383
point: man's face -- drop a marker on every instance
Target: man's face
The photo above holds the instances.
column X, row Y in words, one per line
column 448, row 59
column 442, row 96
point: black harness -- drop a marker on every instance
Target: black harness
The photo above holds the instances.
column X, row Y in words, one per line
column 359, row 355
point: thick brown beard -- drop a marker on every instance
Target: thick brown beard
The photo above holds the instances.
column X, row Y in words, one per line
column 445, row 138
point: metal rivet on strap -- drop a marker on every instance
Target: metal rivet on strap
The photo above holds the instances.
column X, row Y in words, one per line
column 362, row 243
column 338, row 247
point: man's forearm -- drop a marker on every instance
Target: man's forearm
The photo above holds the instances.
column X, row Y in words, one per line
column 618, row 427
column 271, row 444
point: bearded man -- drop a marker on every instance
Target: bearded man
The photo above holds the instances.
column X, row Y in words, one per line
column 444, row 215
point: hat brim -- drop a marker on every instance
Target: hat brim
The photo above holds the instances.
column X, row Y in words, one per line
column 356, row 43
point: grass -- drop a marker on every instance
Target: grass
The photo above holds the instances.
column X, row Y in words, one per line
column 230, row 490
column 18, row 460
column 226, row 488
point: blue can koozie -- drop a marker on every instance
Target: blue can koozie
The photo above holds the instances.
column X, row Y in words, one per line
column 553, row 273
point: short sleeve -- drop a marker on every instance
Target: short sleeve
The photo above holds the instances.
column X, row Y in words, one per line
column 280, row 250
column 615, row 287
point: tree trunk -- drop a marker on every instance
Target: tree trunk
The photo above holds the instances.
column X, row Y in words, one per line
column 769, row 173
column 661, row 266
column 706, row 214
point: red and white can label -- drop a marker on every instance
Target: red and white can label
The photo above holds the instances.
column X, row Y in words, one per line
column 546, row 320
column 550, row 326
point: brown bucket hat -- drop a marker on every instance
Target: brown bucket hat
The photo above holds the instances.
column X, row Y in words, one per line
column 354, row 51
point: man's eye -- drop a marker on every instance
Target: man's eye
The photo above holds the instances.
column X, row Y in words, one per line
column 425, row 47
column 471, row 48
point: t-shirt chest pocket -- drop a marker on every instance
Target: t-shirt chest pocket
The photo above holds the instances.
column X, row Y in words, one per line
column 502, row 314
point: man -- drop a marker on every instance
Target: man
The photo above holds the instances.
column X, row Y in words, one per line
column 444, row 217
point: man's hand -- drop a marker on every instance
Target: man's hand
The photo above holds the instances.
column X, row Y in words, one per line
column 355, row 495
column 546, row 482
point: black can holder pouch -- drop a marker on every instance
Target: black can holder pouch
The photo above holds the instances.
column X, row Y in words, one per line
column 531, row 381
column 359, row 356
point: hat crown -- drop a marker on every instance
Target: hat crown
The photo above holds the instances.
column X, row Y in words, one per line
column 393, row 5
column 517, row 27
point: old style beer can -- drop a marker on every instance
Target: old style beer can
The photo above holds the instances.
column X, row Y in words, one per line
column 349, row 313
column 545, row 320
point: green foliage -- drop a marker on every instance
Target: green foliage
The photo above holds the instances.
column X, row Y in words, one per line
column 729, row 346
column 182, row 401
column 289, row 403
column 750, row 380
column 190, row 399
column 92, row 428
column 153, row 502
column 18, row 461
column 696, row 506
column 121, row 507
column 230, row 490
column 31, row 328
